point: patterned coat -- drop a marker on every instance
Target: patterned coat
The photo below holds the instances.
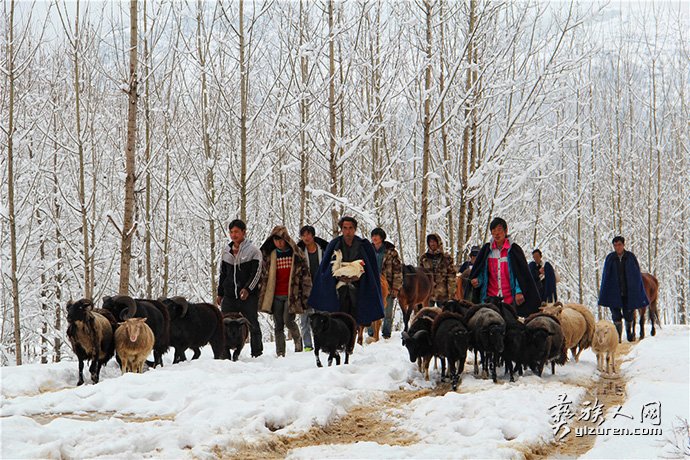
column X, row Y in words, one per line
column 443, row 277
column 300, row 277
column 391, row 268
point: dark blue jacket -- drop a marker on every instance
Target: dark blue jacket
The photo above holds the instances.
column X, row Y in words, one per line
column 610, row 294
column 324, row 296
column 547, row 288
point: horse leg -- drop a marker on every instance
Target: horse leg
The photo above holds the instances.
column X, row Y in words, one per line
column 407, row 311
column 642, row 315
column 360, row 334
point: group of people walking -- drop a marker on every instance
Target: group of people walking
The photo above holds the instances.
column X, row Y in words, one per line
column 289, row 279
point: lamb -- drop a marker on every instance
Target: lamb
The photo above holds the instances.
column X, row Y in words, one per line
column 333, row 332
column 133, row 341
column 450, row 341
column 353, row 269
column 577, row 323
column 544, row 342
column 488, row 330
column 193, row 326
column 604, row 345
column 124, row 307
column 90, row 332
column 418, row 341
column 236, row 334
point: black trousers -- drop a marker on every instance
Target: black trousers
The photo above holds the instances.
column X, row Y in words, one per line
column 347, row 295
column 250, row 310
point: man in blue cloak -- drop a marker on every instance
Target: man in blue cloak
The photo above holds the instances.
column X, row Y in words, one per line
column 360, row 297
column 622, row 289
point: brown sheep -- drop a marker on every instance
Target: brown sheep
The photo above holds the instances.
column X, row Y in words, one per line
column 604, row 345
column 134, row 342
column 577, row 323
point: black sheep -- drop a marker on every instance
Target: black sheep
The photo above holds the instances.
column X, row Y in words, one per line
column 90, row 332
column 451, row 340
column 513, row 341
column 236, row 333
column 544, row 342
column 418, row 342
column 333, row 332
column 124, row 307
column 488, row 332
column 193, row 325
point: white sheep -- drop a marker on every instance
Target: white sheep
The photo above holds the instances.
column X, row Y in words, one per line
column 133, row 342
column 604, row 344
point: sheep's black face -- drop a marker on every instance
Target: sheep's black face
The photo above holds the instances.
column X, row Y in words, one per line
column 535, row 344
column 496, row 336
column 233, row 332
column 319, row 322
column 78, row 311
column 460, row 339
column 117, row 309
column 514, row 339
column 412, row 348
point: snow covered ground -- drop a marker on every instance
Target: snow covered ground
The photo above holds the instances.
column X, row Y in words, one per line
column 189, row 409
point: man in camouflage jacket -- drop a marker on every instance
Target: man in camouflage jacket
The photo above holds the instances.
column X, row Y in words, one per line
column 440, row 267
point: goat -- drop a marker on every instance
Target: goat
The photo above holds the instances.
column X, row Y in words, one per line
column 488, row 330
column 419, row 344
column 133, row 341
column 577, row 323
column 333, row 332
column 339, row 269
column 90, row 332
column 124, row 307
column 604, row 345
column 450, row 341
column 193, row 326
column 544, row 342
column 236, row 329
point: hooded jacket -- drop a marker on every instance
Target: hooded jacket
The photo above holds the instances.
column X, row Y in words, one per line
column 299, row 286
column 520, row 278
column 443, row 277
column 324, row 296
column 391, row 268
column 241, row 271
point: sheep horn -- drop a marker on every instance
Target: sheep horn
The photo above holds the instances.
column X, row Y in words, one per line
column 182, row 302
column 227, row 320
column 88, row 304
column 129, row 302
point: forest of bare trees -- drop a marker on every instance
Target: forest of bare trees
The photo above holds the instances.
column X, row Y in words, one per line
column 144, row 127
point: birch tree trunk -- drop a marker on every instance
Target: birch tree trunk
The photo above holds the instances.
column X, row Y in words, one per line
column 128, row 224
column 426, row 127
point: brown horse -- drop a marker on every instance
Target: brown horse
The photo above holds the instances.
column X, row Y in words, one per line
column 651, row 287
column 375, row 325
column 415, row 292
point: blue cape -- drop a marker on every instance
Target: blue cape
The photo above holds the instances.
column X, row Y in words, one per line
column 548, row 289
column 609, row 294
column 324, row 296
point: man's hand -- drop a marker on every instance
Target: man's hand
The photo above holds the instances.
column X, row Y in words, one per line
column 348, row 279
column 541, row 270
column 219, row 300
column 475, row 282
column 244, row 293
column 519, row 299
column 394, row 293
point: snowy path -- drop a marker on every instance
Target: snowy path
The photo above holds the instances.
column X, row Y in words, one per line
column 379, row 406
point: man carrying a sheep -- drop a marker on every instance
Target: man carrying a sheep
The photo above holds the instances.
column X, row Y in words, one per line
column 544, row 277
column 240, row 272
column 501, row 272
column 622, row 289
column 360, row 297
column 285, row 285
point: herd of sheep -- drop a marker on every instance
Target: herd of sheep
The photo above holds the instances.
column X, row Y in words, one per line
column 133, row 328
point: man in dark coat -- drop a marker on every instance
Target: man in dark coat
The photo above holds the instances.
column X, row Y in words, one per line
column 622, row 289
column 544, row 277
column 464, row 274
column 360, row 297
column 501, row 273
column 313, row 247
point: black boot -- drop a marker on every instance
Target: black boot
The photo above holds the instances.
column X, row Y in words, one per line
column 629, row 331
column 619, row 328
